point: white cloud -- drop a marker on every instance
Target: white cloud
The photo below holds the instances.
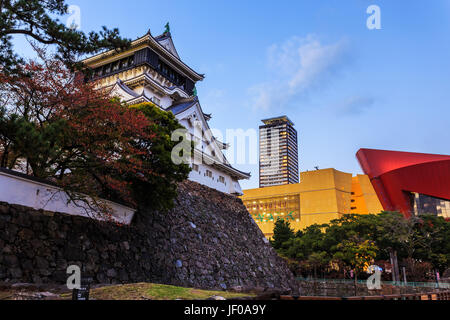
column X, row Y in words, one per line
column 355, row 105
column 213, row 94
column 297, row 66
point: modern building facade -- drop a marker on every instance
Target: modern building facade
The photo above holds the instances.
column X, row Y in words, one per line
column 321, row 196
column 364, row 199
column 278, row 152
column 411, row 183
column 152, row 71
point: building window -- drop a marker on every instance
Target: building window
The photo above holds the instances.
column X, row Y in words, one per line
column 115, row 66
column 124, row 63
column 107, row 68
column 221, row 179
column 195, row 167
column 169, row 73
column 98, row 72
column 156, row 100
column 208, row 173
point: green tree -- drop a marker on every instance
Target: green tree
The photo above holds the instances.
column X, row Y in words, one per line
column 431, row 234
column 353, row 240
column 307, row 247
column 356, row 253
column 37, row 20
column 63, row 130
column 318, row 260
column 163, row 184
column 350, row 225
column 393, row 233
column 282, row 232
column 310, row 240
column 390, row 231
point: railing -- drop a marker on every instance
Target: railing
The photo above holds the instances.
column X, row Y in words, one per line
column 444, row 295
column 434, row 285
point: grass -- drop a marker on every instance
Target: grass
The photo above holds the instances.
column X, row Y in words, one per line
column 4, row 295
column 146, row 291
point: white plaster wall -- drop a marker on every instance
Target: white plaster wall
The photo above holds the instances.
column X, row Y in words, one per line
column 230, row 185
column 166, row 102
column 21, row 191
column 139, row 90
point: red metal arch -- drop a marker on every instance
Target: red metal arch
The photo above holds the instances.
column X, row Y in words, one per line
column 394, row 173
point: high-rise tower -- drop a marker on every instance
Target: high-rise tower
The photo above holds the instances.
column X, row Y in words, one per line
column 278, row 152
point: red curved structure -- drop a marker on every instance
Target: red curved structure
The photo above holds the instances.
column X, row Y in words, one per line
column 395, row 175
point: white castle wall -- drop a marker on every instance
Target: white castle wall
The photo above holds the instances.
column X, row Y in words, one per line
column 22, row 191
column 200, row 177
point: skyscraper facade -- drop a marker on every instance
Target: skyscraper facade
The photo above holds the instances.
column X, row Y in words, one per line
column 278, row 152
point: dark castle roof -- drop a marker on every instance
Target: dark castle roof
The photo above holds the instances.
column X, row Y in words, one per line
column 183, row 106
column 163, row 36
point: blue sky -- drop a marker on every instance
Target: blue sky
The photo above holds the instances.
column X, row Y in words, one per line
column 344, row 86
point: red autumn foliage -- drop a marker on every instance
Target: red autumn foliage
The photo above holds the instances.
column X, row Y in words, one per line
column 56, row 127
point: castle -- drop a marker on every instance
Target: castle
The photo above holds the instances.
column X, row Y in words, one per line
column 151, row 70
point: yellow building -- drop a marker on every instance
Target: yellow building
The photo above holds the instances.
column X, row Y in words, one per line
column 321, row 196
column 364, row 198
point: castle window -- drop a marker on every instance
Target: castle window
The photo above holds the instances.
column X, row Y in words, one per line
column 195, row 167
column 156, row 100
column 221, row 179
column 169, row 73
column 98, row 71
column 115, row 66
column 209, row 173
column 107, row 68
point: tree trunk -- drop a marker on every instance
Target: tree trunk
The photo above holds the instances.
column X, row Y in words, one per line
column 394, row 263
column 397, row 269
column 436, row 273
column 404, row 275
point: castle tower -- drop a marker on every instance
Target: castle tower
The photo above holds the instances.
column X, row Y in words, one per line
column 151, row 71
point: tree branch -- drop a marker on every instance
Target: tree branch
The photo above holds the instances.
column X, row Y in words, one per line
column 31, row 34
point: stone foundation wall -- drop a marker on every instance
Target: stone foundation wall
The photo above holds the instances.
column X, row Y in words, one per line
column 347, row 289
column 208, row 240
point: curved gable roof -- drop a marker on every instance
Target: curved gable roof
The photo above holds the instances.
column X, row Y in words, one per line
column 155, row 43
